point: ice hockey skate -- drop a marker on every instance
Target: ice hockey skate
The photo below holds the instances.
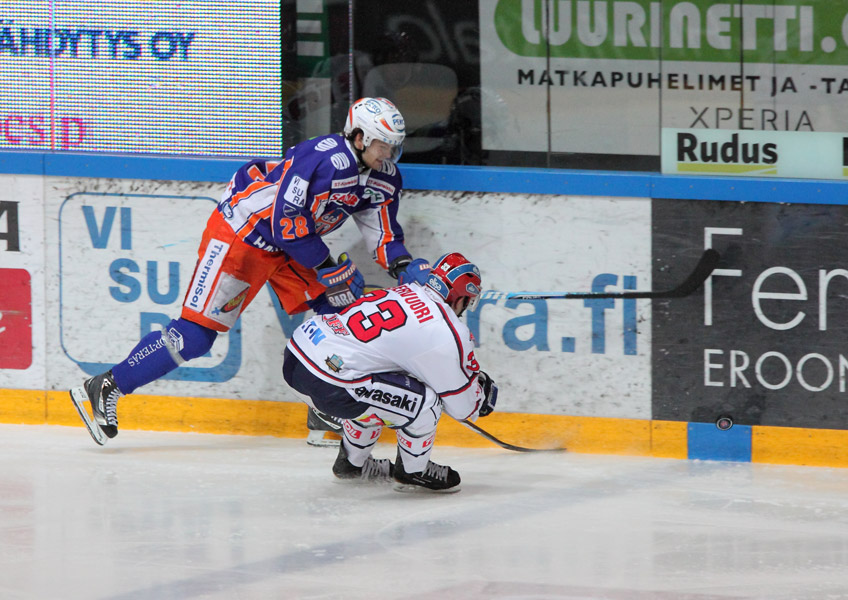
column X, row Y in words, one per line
column 374, row 469
column 102, row 393
column 434, row 478
column 324, row 430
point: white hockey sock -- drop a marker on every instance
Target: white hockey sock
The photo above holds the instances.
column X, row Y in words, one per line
column 415, row 451
column 359, row 440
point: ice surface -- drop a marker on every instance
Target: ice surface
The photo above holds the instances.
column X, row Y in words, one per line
column 184, row 516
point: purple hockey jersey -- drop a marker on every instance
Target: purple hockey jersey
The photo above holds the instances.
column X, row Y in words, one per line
column 286, row 206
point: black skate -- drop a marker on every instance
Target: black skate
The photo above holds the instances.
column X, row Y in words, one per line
column 102, row 393
column 435, row 478
column 318, row 424
column 374, row 469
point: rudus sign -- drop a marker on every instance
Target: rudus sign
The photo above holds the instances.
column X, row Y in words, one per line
column 802, row 154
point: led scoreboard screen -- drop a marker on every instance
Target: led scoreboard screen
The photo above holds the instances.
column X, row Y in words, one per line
column 137, row 76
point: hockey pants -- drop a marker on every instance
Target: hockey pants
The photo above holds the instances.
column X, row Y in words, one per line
column 395, row 400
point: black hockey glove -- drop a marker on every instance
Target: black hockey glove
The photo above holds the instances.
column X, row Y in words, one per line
column 490, row 394
column 406, row 270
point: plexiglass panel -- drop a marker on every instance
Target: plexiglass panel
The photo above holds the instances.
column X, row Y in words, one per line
column 703, row 86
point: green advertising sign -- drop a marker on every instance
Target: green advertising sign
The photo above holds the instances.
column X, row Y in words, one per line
column 779, row 31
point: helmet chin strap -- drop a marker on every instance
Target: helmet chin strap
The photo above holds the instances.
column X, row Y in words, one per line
column 360, row 162
column 459, row 305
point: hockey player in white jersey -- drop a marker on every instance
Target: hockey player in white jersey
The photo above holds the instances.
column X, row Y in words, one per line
column 395, row 358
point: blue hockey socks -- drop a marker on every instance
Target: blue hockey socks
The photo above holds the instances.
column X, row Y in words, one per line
column 160, row 352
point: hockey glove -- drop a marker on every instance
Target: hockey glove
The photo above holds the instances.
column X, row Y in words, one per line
column 344, row 282
column 490, row 394
column 416, row 270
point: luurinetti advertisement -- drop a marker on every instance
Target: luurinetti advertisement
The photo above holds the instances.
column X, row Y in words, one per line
column 611, row 74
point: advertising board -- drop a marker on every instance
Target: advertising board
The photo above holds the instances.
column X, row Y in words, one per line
column 199, row 78
column 812, row 155
column 610, row 74
column 22, row 273
column 119, row 255
column 765, row 341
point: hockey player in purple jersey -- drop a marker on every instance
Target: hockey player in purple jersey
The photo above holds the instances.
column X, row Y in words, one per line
column 268, row 228
column 395, row 358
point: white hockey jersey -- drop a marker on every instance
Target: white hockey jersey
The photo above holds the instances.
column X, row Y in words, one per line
column 406, row 328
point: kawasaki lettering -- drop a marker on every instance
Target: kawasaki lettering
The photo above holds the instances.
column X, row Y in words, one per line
column 405, row 404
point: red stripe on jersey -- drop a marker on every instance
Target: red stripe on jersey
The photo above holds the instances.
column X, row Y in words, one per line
column 458, row 391
column 382, row 257
column 448, row 322
column 456, row 339
column 314, row 367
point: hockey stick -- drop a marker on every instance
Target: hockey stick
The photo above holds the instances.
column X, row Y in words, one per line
column 503, row 444
column 696, row 278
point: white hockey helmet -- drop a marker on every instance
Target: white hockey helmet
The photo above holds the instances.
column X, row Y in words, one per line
column 378, row 119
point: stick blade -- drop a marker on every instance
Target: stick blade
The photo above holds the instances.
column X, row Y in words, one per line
column 704, row 268
column 707, row 263
column 506, row 445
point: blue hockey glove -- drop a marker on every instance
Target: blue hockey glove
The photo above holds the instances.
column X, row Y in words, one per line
column 490, row 393
column 417, row 271
column 344, row 282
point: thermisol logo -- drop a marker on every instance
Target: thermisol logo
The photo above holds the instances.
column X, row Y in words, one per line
column 207, row 271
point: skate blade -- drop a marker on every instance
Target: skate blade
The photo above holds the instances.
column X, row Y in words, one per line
column 79, row 397
column 317, row 438
column 411, row 488
column 359, row 481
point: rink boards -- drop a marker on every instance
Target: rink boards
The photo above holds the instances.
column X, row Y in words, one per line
column 96, row 262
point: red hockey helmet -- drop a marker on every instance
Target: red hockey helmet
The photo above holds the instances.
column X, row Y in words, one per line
column 453, row 277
